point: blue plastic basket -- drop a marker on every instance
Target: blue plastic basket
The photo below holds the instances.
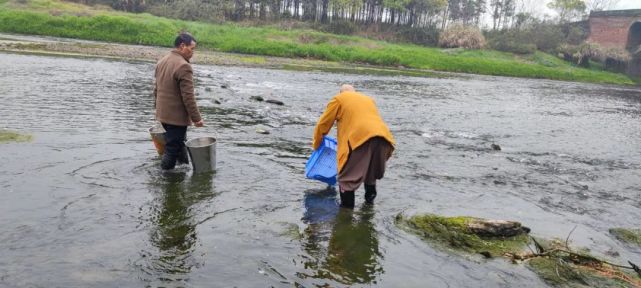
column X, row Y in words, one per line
column 321, row 165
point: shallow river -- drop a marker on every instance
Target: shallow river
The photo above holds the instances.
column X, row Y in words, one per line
column 85, row 204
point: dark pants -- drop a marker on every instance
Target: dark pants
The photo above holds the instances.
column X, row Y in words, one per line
column 365, row 164
column 175, row 139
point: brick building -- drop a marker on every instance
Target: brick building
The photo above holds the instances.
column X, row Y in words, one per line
column 618, row 29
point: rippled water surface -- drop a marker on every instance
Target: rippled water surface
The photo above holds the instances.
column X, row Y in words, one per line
column 86, row 205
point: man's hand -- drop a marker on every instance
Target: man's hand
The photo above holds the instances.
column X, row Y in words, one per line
column 200, row 123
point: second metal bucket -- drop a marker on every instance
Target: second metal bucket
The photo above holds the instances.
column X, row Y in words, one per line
column 202, row 152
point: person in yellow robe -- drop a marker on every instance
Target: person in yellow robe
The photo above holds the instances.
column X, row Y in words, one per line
column 365, row 143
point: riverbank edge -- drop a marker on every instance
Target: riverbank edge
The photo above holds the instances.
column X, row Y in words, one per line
column 51, row 18
column 75, row 48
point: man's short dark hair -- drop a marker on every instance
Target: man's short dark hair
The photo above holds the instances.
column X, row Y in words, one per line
column 184, row 37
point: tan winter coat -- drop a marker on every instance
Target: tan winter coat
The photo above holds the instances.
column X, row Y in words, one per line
column 174, row 91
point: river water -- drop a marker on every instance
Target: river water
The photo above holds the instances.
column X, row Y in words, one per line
column 85, row 204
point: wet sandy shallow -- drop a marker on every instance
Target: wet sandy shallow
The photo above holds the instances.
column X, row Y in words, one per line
column 85, row 203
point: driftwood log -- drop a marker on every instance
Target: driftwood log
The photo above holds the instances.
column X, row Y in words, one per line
column 496, row 228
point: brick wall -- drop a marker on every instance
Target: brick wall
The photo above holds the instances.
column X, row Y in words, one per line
column 611, row 31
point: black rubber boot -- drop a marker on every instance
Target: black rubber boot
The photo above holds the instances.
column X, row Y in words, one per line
column 347, row 199
column 183, row 158
column 168, row 162
column 370, row 193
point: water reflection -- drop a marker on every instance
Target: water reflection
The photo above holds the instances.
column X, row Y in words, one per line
column 174, row 225
column 341, row 244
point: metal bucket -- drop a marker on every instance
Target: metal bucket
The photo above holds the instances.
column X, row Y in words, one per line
column 158, row 137
column 202, row 152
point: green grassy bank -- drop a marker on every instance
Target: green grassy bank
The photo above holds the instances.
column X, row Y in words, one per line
column 62, row 19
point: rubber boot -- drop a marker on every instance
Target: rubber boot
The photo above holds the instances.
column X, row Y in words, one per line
column 347, row 199
column 183, row 158
column 168, row 162
column 370, row 193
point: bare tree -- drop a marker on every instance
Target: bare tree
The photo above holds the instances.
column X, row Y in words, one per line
column 568, row 10
column 531, row 7
column 600, row 5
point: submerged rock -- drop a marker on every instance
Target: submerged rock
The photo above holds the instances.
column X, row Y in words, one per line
column 612, row 253
column 495, row 147
column 272, row 101
column 11, row 136
column 468, row 234
column 262, row 131
column 208, row 89
column 500, row 182
column 291, row 231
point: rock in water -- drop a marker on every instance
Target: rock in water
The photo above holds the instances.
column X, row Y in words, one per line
column 257, row 98
column 496, row 228
column 496, row 147
column 280, row 103
column 499, row 182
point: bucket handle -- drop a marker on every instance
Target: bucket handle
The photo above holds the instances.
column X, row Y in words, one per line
column 207, row 131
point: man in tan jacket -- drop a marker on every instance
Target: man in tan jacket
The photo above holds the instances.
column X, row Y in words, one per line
column 365, row 143
column 174, row 99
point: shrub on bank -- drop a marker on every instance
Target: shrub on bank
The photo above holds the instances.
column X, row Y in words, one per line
column 343, row 27
column 460, row 36
column 546, row 37
column 581, row 54
column 543, row 36
column 513, row 41
column 507, row 45
column 427, row 36
column 613, row 59
column 190, row 10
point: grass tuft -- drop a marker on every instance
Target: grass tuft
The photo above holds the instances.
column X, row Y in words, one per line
column 630, row 236
column 10, row 136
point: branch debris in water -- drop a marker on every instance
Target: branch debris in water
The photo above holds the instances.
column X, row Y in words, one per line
column 554, row 261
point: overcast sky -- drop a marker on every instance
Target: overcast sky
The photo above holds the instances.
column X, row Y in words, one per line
column 622, row 4
column 629, row 4
column 539, row 9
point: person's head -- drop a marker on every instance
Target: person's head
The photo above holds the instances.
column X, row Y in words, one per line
column 347, row 87
column 185, row 44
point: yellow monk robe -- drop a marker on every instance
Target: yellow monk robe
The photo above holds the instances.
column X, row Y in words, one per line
column 357, row 120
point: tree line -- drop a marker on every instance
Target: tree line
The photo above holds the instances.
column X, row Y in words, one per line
column 412, row 13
